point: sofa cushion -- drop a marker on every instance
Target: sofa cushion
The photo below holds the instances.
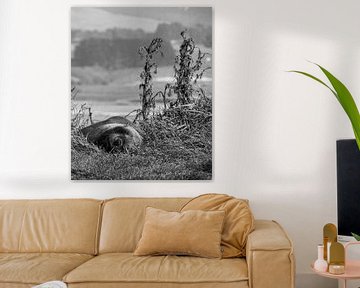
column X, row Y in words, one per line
column 63, row 226
column 126, row 268
column 239, row 220
column 36, row 268
column 193, row 232
column 123, row 220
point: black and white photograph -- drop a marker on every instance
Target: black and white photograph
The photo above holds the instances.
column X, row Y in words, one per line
column 141, row 93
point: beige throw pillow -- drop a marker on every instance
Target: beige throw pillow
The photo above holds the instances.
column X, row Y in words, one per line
column 238, row 223
column 194, row 232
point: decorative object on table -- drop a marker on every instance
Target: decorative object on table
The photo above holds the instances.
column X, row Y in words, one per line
column 320, row 264
column 349, row 271
column 329, row 237
column 141, row 93
column 334, row 251
column 344, row 97
column 337, row 258
column 336, row 269
column 51, row 284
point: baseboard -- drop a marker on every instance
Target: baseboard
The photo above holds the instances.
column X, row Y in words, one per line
column 310, row 280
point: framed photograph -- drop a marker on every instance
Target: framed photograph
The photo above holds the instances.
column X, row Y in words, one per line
column 141, row 93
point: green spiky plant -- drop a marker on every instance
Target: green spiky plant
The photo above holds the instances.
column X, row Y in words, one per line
column 344, row 97
column 356, row 236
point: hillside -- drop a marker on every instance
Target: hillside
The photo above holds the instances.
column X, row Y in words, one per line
column 93, row 18
column 117, row 53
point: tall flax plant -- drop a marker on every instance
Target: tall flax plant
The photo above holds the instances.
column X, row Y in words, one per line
column 150, row 68
column 344, row 97
column 188, row 69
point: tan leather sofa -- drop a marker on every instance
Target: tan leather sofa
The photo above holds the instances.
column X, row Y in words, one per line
column 89, row 243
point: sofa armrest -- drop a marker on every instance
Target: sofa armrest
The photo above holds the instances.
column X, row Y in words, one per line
column 269, row 256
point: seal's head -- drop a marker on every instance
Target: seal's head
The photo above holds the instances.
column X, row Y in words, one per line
column 116, row 140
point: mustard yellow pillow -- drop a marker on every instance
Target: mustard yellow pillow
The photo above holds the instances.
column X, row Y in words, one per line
column 193, row 232
column 238, row 223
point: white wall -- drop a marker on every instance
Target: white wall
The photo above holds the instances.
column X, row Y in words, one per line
column 274, row 132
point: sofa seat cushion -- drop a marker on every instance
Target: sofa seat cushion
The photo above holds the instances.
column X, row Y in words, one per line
column 125, row 267
column 36, row 268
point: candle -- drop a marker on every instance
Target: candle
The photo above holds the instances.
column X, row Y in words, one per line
column 336, row 269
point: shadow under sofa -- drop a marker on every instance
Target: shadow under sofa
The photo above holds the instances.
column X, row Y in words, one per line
column 90, row 243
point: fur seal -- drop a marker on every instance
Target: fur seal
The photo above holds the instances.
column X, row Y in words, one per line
column 113, row 134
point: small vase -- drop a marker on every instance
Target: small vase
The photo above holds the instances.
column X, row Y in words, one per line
column 320, row 264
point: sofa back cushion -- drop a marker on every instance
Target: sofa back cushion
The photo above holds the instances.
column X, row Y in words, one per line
column 123, row 220
column 66, row 226
column 238, row 224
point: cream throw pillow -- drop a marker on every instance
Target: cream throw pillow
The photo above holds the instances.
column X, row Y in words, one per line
column 193, row 232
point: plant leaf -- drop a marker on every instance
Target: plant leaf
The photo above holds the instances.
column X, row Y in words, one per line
column 347, row 102
column 344, row 97
column 356, row 236
column 316, row 79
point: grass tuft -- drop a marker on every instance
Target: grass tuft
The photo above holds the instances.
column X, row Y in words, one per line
column 177, row 146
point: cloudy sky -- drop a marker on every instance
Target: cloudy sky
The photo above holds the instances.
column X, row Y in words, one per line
column 146, row 18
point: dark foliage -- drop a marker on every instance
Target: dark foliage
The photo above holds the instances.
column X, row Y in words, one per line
column 199, row 33
column 116, row 53
column 149, row 54
column 188, row 69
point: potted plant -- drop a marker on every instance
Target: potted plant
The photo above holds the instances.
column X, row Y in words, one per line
column 347, row 102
